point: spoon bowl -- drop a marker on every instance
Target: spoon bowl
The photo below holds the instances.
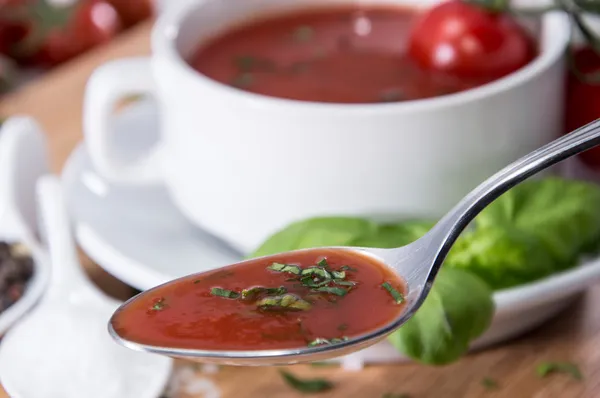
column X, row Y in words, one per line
column 417, row 263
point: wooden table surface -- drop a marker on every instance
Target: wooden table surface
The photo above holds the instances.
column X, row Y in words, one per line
column 55, row 101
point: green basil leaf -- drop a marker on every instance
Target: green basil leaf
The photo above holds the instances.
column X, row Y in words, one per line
column 459, row 309
column 502, row 257
column 316, row 232
column 563, row 214
column 389, row 236
column 306, row 385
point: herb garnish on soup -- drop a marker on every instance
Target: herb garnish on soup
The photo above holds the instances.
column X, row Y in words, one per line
column 357, row 54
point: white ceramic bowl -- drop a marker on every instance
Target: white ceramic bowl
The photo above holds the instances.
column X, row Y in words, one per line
column 23, row 160
column 227, row 156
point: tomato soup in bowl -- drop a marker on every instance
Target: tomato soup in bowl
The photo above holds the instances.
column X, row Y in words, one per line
column 352, row 54
column 251, row 140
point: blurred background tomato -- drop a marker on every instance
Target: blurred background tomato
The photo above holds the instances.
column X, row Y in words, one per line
column 36, row 35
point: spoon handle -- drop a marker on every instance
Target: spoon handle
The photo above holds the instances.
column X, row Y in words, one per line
column 66, row 271
column 456, row 220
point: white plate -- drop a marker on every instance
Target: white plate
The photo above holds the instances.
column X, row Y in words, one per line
column 138, row 236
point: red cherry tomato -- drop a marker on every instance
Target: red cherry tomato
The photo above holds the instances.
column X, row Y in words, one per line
column 55, row 50
column 93, row 22
column 465, row 40
column 11, row 32
column 583, row 100
column 133, row 11
column 14, row 3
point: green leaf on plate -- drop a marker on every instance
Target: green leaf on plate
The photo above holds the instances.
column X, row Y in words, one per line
column 316, row 232
column 563, row 214
column 388, row 236
column 502, row 257
column 459, row 309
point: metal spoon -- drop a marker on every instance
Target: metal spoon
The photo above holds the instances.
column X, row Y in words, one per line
column 417, row 263
column 61, row 350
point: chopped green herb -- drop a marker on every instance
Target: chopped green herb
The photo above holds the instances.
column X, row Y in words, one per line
column 243, row 80
column 256, row 290
column 292, row 269
column 311, row 282
column 342, row 327
column 391, row 95
column 286, row 302
column 245, row 62
column 303, row 33
column 338, row 274
column 299, row 67
column 159, row 304
column 489, row 384
column 395, row 395
column 347, row 268
column 307, row 385
column 546, row 368
column 315, row 277
column 217, row 291
column 248, row 63
column 338, row 291
column 321, row 341
column 396, row 295
column 277, row 267
column 197, row 281
column 345, row 283
column 323, row 263
column 316, row 271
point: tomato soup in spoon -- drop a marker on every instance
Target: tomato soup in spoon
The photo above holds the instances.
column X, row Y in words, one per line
column 352, row 54
column 304, row 298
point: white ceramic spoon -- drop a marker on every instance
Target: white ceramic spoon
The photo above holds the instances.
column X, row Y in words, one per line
column 62, row 348
column 22, row 160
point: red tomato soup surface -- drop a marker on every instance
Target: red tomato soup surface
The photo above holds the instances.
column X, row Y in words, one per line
column 307, row 298
column 340, row 55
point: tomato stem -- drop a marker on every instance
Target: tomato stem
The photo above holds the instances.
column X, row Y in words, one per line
column 576, row 9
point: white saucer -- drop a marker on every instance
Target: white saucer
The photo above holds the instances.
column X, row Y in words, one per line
column 135, row 233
